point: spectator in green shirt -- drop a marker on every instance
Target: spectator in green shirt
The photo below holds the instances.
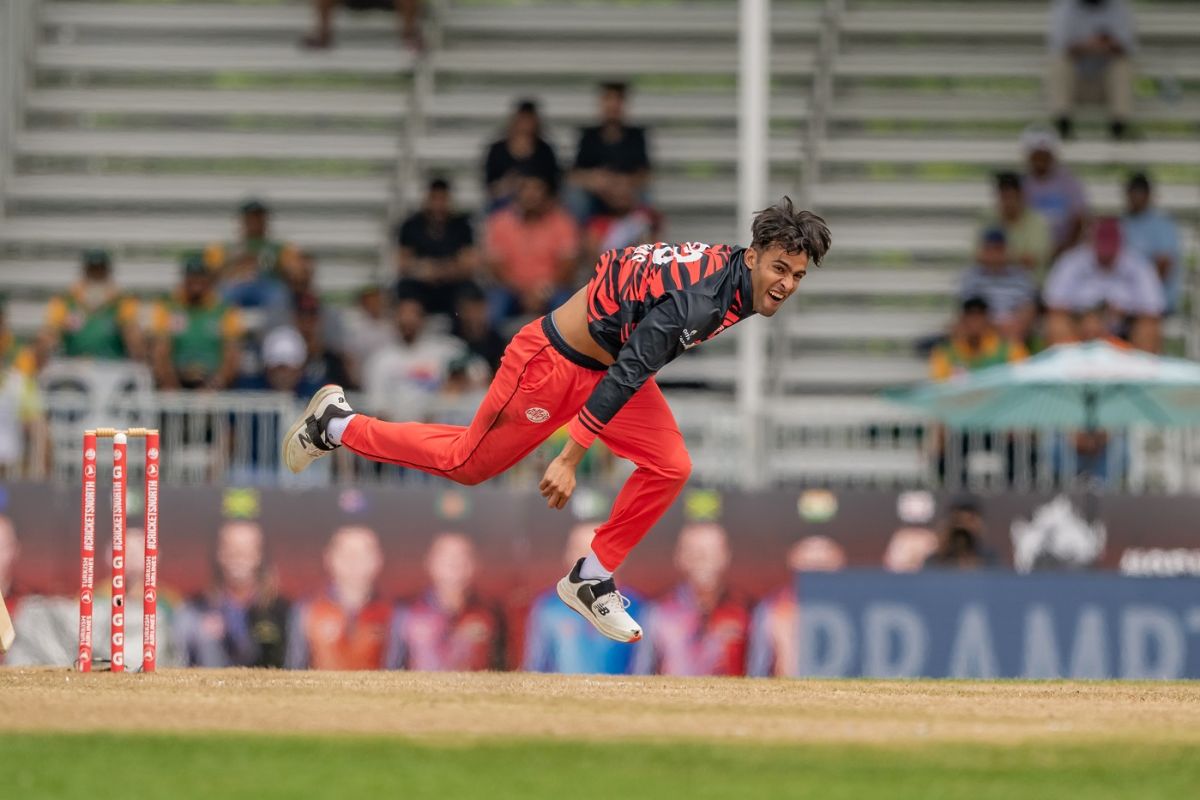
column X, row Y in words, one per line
column 196, row 335
column 1026, row 231
column 93, row 319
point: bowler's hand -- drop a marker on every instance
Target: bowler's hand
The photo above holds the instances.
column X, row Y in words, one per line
column 559, row 481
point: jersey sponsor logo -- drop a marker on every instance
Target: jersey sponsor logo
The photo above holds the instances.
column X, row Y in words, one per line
column 683, row 254
column 536, row 414
column 687, row 339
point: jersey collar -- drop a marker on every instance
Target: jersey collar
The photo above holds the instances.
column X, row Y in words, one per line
column 743, row 288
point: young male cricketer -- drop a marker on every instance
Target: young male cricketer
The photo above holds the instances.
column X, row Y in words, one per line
column 590, row 364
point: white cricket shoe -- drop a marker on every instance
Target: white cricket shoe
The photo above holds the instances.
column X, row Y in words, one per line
column 601, row 604
column 306, row 440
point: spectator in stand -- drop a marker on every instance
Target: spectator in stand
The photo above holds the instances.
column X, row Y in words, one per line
column 974, row 344
column 449, row 628
column 241, row 620
column 325, row 363
column 1152, row 233
column 401, row 380
column 94, row 319
column 196, row 336
column 1006, row 286
column 774, row 649
column 1106, row 272
column 408, row 20
column 1053, row 190
column 346, row 625
column 436, row 256
column 626, row 221
column 521, row 152
column 251, row 269
column 1026, row 231
column 962, row 544
column 368, row 325
column 532, row 249
column 559, row 640
column 1091, row 42
column 613, row 147
column 472, row 325
column 701, row 627
column 23, row 428
column 284, row 355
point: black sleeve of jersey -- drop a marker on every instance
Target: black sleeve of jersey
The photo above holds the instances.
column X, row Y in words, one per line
column 679, row 321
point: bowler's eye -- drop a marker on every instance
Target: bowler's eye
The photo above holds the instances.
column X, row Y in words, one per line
column 779, row 270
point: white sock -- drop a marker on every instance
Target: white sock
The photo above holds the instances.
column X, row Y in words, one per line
column 592, row 569
column 336, row 427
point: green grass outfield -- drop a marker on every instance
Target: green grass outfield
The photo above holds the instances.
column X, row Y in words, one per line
column 209, row 766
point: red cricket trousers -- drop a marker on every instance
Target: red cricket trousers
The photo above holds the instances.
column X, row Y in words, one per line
column 536, row 391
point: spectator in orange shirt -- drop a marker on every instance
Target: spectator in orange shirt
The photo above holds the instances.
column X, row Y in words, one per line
column 532, row 248
column 345, row 626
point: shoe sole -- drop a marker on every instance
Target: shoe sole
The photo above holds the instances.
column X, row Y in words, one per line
column 313, row 405
column 567, row 596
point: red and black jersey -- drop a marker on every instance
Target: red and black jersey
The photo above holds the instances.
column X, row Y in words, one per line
column 647, row 304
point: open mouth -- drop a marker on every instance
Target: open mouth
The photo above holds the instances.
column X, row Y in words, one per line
column 777, row 295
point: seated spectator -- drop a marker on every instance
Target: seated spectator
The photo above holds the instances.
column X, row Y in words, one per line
column 1005, row 286
column 472, row 325
column 610, row 148
column 1152, row 233
column 1106, row 272
column 1091, row 42
column 974, row 344
column 368, row 325
column 559, row 640
column 23, row 427
column 326, row 362
column 284, row 355
column 1026, row 231
column 401, row 380
column 462, row 392
column 532, row 248
column 449, row 627
column 436, row 256
column 251, row 268
column 94, row 319
column 241, row 621
column 407, row 20
column 196, row 336
column 522, row 151
column 962, row 544
column 300, row 283
column 1053, row 190
column 625, row 221
column 346, row 625
column 701, row 627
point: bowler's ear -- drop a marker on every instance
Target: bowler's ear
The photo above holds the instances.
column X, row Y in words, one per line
column 751, row 257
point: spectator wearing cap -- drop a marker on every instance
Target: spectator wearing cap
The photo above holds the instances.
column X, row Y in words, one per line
column 974, row 344
column 1091, row 43
column 436, row 256
column 1106, row 272
column 284, row 355
column 252, row 265
column 1026, row 232
column 403, row 379
column 94, row 318
column 1005, row 286
column 614, row 147
column 1053, row 190
column 521, row 151
column 532, row 248
column 472, row 325
column 196, row 335
column 1151, row 232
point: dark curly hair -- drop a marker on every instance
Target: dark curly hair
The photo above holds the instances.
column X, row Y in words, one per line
column 794, row 231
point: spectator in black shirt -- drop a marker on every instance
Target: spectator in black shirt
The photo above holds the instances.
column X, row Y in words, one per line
column 437, row 256
column 609, row 148
column 473, row 326
column 407, row 20
column 522, row 151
